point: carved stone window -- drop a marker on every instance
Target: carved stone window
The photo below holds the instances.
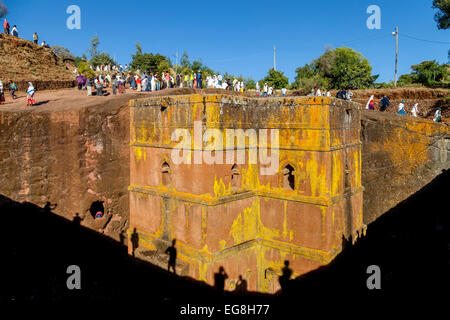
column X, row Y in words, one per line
column 165, row 171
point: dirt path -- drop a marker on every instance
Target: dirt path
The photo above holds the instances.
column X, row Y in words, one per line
column 70, row 99
column 64, row 99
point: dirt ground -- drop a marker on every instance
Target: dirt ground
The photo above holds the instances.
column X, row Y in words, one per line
column 70, row 99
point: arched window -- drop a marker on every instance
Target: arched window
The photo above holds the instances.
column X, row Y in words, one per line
column 288, row 177
column 165, row 171
column 97, row 209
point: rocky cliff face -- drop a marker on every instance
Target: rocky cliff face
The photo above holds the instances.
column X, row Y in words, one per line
column 77, row 160
column 400, row 155
column 23, row 61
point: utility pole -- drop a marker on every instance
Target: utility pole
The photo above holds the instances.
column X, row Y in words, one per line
column 395, row 33
column 274, row 60
column 176, row 63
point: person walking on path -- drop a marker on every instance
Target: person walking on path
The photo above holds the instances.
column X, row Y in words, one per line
column 114, row 85
column 138, row 83
column 99, row 87
column 415, row 110
column 438, row 115
column 370, row 105
column 6, row 27
column 265, row 89
column 401, row 108
column 89, row 86
column 12, row 89
column 35, row 38
column 384, row 103
column 121, row 85
column 167, row 76
column 30, row 95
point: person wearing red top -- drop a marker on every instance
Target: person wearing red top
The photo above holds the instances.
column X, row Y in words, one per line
column 6, row 26
column 139, row 84
column 167, row 76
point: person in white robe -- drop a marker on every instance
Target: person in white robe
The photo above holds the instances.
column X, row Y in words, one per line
column 415, row 110
column 152, row 83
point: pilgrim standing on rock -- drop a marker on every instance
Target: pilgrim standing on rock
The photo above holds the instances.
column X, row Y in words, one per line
column 2, row 94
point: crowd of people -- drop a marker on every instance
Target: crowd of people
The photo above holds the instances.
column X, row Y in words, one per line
column 155, row 82
column 142, row 82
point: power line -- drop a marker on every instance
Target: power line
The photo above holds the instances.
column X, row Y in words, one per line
column 424, row 40
column 365, row 39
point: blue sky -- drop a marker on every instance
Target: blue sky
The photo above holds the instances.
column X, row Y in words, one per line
column 238, row 36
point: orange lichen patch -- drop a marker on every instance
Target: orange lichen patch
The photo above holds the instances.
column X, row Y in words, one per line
column 406, row 149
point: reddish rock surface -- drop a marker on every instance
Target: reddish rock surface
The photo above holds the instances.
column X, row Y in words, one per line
column 22, row 61
column 73, row 150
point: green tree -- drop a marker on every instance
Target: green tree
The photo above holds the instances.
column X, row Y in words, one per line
column 405, row 79
column 196, row 66
column 324, row 64
column 349, row 69
column 442, row 16
column 62, row 53
column 184, row 61
column 98, row 57
column 102, row 58
column 77, row 60
column 207, row 71
column 85, row 70
column 186, row 70
column 148, row 62
column 249, row 83
column 307, row 78
column 276, row 79
column 93, row 50
column 309, row 83
column 3, row 9
column 163, row 66
column 304, row 72
column 335, row 69
column 429, row 72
